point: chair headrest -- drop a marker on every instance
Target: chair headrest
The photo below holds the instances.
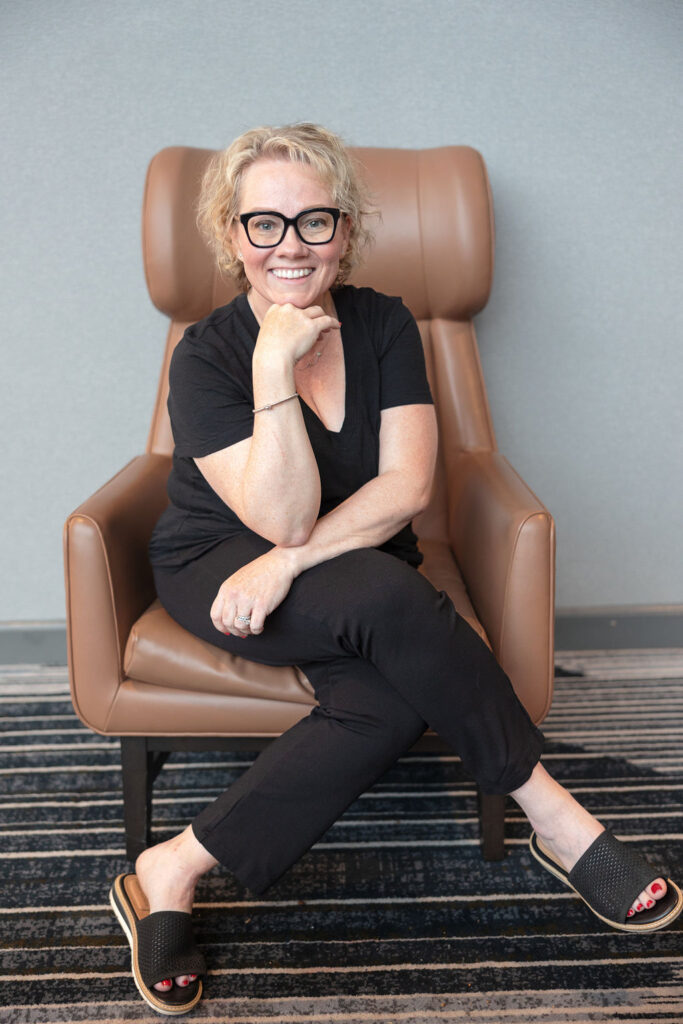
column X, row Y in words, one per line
column 433, row 246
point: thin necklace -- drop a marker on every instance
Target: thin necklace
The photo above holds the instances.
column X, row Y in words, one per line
column 314, row 360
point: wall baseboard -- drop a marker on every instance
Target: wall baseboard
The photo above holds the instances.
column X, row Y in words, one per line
column 590, row 629
column 32, row 643
column 576, row 629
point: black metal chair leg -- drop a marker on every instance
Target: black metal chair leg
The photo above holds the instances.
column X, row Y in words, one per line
column 492, row 825
column 137, row 794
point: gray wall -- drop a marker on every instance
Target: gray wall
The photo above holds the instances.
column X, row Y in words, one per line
column 576, row 108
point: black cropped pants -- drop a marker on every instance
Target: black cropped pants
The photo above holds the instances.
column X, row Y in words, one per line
column 387, row 655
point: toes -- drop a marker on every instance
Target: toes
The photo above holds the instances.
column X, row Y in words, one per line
column 657, row 889
column 647, row 898
column 185, row 979
column 641, row 902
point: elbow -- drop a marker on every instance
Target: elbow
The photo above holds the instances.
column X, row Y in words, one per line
column 421, row 500
column 290, row 535
column 293, row 540
column 412, row 493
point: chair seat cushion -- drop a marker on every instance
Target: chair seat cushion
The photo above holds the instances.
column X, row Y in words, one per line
column 162, row 653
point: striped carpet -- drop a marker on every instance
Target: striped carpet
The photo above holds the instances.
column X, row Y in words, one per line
column 393, row 917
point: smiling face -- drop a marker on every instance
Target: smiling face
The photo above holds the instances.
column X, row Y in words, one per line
column 291, row 271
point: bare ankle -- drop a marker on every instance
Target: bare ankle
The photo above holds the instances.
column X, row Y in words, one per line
column 558, row 819
column 169, row 872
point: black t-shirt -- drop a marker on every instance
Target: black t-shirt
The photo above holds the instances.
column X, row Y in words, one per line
column 211, row 400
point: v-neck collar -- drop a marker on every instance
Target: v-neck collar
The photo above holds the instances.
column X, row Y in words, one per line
column 339, row 296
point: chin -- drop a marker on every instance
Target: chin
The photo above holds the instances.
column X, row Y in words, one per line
column 297, row 298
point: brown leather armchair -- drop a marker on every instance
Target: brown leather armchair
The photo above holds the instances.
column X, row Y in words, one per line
column 486, row 538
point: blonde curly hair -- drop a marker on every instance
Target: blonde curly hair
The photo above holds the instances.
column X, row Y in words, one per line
column 304, row 143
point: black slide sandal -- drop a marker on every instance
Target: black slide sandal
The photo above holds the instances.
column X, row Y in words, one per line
column 608, row 878
column 162, row 946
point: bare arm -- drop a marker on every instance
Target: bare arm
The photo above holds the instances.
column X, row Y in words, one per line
column 368, row 518
column 271, row 479
column 390, row 501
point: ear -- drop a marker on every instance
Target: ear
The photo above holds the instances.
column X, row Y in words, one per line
column 232, row 240
column 345, row 232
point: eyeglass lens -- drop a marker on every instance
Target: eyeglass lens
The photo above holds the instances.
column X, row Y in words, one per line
column 314, row 226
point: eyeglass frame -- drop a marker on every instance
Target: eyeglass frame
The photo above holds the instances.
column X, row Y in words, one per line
column 334, row 211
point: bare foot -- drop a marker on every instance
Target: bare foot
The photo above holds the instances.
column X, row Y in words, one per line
column 168, row 874
column 567, row 829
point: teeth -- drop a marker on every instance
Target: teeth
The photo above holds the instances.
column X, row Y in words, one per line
column 287, row 274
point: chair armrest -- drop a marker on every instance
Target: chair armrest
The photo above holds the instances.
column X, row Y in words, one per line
column 109, row 580
column 503, row 539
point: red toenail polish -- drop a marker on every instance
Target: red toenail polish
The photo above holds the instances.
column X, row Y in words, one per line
column 183, row 983
column 639, row 906
column 167, row 981
column 630, row 913
column 656, row 887
column 650, row 903
column 192, row 977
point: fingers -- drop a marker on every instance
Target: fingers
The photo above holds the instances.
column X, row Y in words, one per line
column 249, row 621
column 258, row 618
column 224, row 614
column 241, row 624
column 332, row 324
column 323, row 320
column 293, row 330
column 234, row 618
column 318, row 313
column 216, row 612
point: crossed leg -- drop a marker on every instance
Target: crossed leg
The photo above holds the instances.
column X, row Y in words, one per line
column 355, row 623
column 169, row 872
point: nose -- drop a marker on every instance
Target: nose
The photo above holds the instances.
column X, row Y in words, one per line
column 291, row 244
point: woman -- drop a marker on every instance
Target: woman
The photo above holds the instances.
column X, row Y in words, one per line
column 305, row 445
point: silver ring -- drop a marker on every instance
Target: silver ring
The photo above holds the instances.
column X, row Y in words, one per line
column 246, row 619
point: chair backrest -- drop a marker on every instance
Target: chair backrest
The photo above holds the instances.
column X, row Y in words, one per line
column 434, row 247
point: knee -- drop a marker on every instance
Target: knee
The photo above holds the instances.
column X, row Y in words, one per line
column 382, row 585
column 378, row 596
column 361, row 703
column 368, row 593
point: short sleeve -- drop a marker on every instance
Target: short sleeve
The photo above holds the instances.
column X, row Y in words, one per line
column 403, row 374
column 209, row 405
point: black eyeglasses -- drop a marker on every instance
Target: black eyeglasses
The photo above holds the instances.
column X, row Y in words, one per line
column 267, row 228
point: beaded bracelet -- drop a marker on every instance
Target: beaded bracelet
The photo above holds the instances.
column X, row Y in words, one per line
column 272, row 405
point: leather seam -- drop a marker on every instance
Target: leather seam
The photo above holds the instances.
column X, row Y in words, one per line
column 132, row 636
column 544, row 515
column 418, row 193
column 112, row 600
column 105, row 729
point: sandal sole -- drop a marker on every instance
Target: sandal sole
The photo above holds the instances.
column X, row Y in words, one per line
column 546, row 861
column 120, row 904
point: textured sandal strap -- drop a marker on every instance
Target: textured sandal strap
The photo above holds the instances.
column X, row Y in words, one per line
column 166, row 947
column 610, row 876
